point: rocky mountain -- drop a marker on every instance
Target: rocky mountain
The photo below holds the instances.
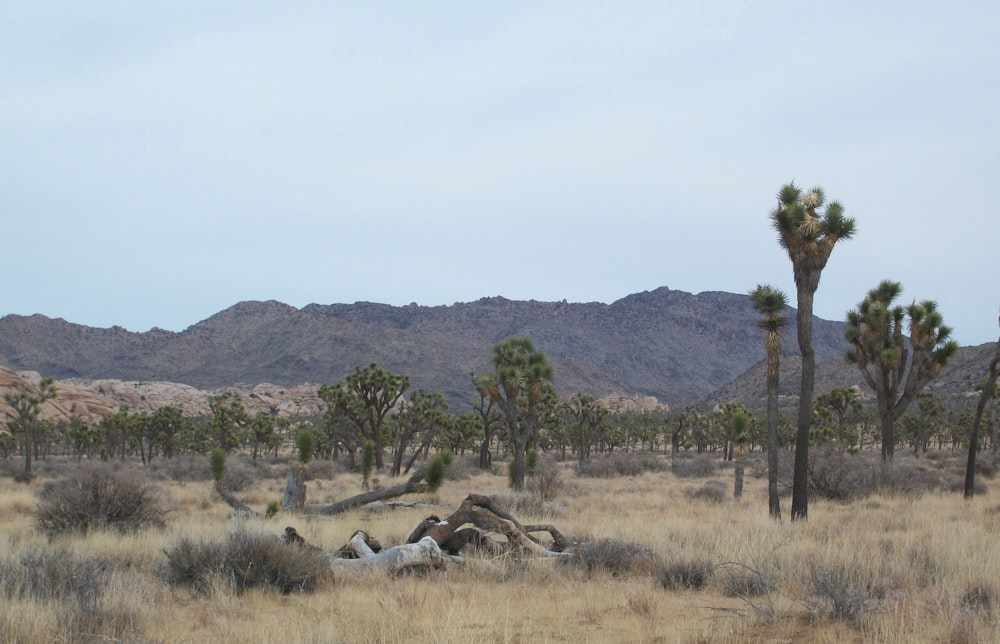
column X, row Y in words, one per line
column 675, row 346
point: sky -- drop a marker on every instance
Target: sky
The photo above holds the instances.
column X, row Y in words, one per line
column 162, row 161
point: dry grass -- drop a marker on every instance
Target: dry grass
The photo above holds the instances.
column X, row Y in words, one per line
column 889, row 567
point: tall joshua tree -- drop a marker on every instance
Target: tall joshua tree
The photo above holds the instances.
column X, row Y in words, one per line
column 808, row 235
column 770, row 301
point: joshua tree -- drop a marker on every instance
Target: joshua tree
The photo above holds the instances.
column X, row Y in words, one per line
column 517, row 387
column 27, row 406
column 770, row 301
column 809, row 238
column 895, row 367
column 366, row 398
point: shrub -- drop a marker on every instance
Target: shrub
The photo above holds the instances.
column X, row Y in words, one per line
column 699, row 466
column 464, row 467
column 836, row 475
column 246, row 560
column 741, row 580
column 980, row 598
column 517, row 504
column 710, row 491
column 77, row 586
column 690, row 574
column 548, row 481
column 843, row 592
column 98, row 500
column 53, row 574
column 621, row 464
column 185, row 468
column 193, row 563
column 241, row 473
column 617, row 557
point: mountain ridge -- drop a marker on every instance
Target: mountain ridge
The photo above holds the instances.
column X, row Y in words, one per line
column 673, row 345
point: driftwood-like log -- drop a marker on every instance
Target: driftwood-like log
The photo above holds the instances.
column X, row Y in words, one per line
column 295, row 489
column 484, row 514
column 425, row 554
column 435, row 542
column 414, row 484
column 236, row 504
column 360, row 546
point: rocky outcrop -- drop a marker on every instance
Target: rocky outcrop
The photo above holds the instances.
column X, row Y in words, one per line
column 624, row 404
column 70, row 401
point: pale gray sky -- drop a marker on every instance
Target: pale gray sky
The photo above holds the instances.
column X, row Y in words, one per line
column 163, row 161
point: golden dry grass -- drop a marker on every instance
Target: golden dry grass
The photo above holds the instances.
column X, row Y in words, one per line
column 906, row 569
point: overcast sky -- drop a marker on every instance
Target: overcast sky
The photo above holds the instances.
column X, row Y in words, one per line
column 160, row 162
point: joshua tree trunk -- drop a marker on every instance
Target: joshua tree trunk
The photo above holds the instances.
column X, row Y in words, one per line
column 989, row 388
column 773, row 501
column 800, row 474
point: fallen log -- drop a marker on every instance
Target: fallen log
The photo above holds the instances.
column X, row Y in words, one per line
column 435, row 543
column 415, row 484
column 295, row 489
column 425, row 554
column 483, row 513
column 236, row 504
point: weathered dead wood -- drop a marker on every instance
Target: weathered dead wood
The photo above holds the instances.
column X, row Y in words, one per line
column 414, row 484
column 425, row 554
column 295, row 488
column 361, row 545
column 435, row 542
column 236, row 504
column 483, row 513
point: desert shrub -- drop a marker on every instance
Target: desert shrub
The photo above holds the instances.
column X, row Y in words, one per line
column 464, row 467
column 837, row 475
column 924, row 563
column 246, row 560
column 324, row 468
column 621, row 464
column 741, row 580
column 697, row 466
column 616, row 557
column 185, row 468
column 519, row 504
column 547, row 480
column 691, row 574
column 979, row 598
column 240, row 474
column 710, row 492
column 98, row 500
column 842, row 591
column 77, row 585
column 44, row 574
column 193, row 563
column 907, row 475
column 986, row 464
